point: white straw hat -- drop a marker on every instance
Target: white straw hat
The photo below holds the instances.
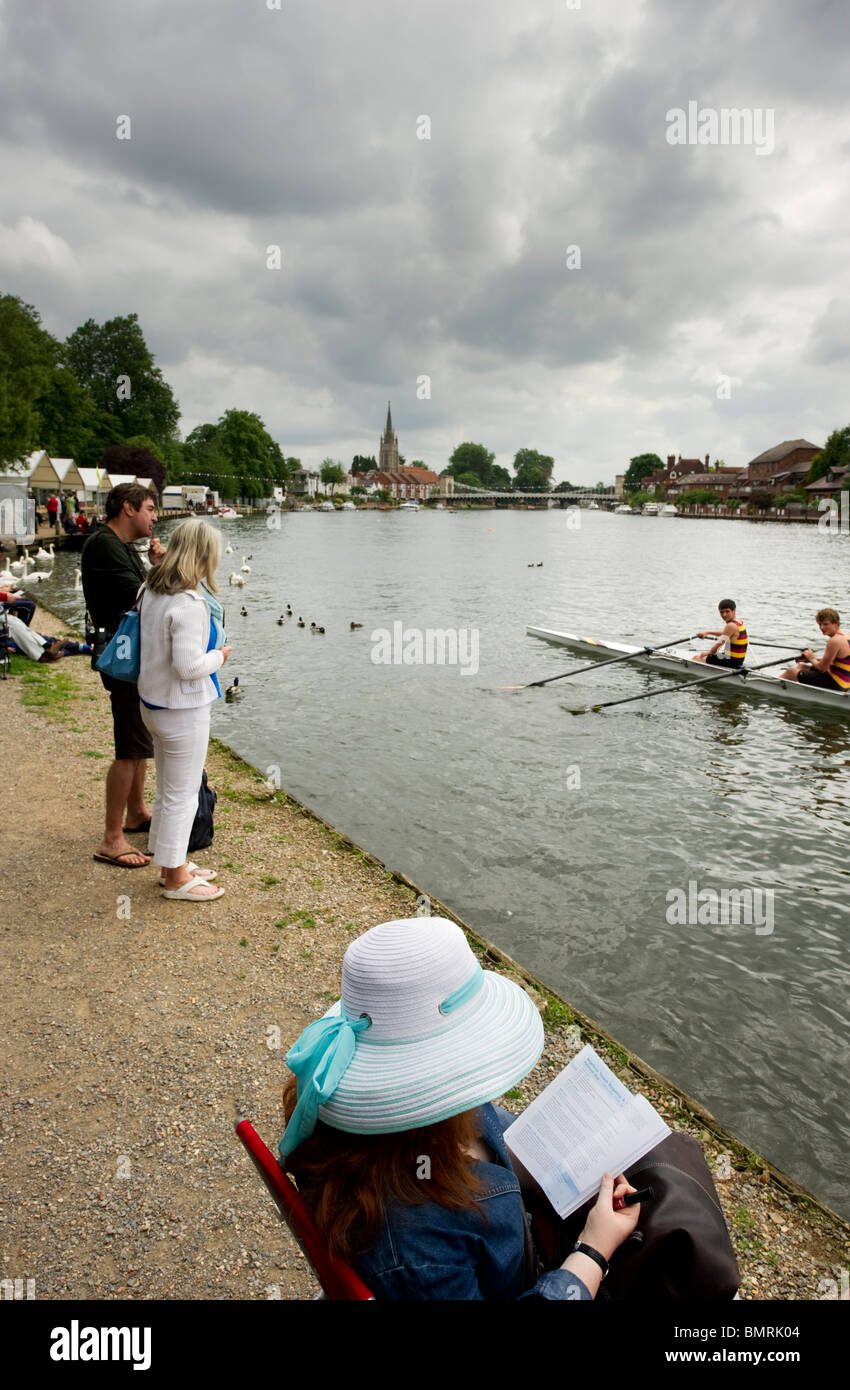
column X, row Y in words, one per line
column 421, row 1033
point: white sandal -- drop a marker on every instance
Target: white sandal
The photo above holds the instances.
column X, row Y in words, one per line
column 205, row 875
column 185, row 894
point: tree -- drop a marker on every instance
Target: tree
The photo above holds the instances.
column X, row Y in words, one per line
column 532, row 471
column 331, row 474
column 500, row 478
column 834, row 454
column 135, row 458
column 472, row 458
column 468, row 480
column 28, row 358
column 564, row 487
column 250, row 453
column 113, row 362
column 639, row 467
column 68, row 417
column 205, row 460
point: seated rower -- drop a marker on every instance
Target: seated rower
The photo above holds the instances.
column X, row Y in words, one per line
column 832, row 670
column 733, row 637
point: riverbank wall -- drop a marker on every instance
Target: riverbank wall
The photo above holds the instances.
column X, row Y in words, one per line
column 137, row 1029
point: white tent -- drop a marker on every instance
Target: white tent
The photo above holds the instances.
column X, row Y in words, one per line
column 69, row 474
column 95, row 483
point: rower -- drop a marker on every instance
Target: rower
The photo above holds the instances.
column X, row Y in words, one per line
column 733, row 638
column 832, row 670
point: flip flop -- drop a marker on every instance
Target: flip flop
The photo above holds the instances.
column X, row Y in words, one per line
column 137, row 829
column 205, row 875
column 184, row 893
column 116, row 859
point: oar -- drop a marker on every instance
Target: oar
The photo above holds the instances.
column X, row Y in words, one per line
column 596, row 665
column 754, row 642
column 665, row 689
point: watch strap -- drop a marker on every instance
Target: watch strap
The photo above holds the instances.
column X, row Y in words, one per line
column 581, row 1249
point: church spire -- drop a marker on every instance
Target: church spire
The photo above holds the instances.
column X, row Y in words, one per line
column 389, row 429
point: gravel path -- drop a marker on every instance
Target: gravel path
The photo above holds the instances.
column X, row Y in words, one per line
column 137, row 1029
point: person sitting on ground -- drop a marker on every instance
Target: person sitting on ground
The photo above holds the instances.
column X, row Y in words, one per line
column 18, row 603
column 69, row 524
column 392, row 1138
column 82, row 522
column 832, row 670
column 733, row 639
column 39, row 647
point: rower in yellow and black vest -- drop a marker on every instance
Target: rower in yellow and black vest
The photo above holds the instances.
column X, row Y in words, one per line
column 832, row 670
column 733, row 639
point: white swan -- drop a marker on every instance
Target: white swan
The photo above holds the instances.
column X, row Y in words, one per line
column 17, row 566
column 228, row 550
column 7, row 577
column 246, row 569
column 237, row 579
column 78, row 579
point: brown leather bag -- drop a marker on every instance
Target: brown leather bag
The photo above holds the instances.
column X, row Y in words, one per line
column 680, row 1248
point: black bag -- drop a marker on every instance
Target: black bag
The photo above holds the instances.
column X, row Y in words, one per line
column 680, row 1248
column 203, row 828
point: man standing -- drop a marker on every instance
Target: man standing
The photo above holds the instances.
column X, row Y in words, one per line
column 733, row 639
column 53, row 512
column 112, row 571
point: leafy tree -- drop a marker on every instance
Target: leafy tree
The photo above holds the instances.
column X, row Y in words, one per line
column 532, row 471
column 28, row 358
column 834, row 454
column 468, row 480
column 500, row 479
column 68, row 417
column 472, row 458
column 134, row 457
column 251, row 455
column 104, row 430
column 331, row 474
column 639, row 467
column 363, row 463
column 382, row 494
column 100, row 354
column 564, row 487
column 205, row 460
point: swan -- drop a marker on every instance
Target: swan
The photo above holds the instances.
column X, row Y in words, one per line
column 17, row 566
column 237, row 579
column 78, row 579
column 7, row 577
column 228, row 550
column 246, row 569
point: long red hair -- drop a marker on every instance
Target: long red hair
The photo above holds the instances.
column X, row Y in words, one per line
column 349, row 1180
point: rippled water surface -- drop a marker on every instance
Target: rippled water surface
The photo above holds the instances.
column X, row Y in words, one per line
column 559, row 838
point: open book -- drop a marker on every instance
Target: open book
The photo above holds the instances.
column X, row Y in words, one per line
column 584, row 1124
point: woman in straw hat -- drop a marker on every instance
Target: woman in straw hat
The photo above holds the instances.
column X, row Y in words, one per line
column 180, row 650
column 392, row 1139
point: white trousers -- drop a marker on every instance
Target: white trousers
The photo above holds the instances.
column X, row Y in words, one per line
column 180, row 738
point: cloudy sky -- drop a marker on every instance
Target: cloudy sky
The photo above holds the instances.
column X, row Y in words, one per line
column 446, row 257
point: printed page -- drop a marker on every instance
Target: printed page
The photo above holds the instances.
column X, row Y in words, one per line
column 585, row 1123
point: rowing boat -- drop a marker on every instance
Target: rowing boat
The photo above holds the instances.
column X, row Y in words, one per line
column 678, row 661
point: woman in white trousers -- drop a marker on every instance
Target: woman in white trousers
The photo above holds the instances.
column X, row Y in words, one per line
column 177, row 685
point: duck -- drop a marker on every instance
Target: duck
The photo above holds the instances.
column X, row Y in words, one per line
column 233, row 691
column 281, row 622
column 354, row 626
column 246, row 569
column 248, row 557
column 531, row 565
column 320, row 631
column 540, row 564
column 288, row 611
column 301, row 623
column 243, row 612
column 236, row 579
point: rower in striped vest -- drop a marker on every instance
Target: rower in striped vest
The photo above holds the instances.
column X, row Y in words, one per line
column 832, row 670
column 733, row 638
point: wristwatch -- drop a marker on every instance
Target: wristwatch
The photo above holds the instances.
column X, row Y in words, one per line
column 588, row 1250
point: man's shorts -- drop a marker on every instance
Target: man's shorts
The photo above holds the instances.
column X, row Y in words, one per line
column 819, row 678
column 732, row 663
column 132, row 739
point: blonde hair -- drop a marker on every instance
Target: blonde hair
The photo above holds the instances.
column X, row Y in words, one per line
column 193, row 555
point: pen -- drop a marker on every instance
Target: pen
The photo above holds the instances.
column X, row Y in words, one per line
column 643, row 1194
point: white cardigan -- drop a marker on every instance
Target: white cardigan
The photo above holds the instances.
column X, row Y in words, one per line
column 175, row 666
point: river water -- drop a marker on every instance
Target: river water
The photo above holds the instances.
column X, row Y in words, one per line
column 562, row 839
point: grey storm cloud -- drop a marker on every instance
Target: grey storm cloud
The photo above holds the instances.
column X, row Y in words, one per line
column 254, row 127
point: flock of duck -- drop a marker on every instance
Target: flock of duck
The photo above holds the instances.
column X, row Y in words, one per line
column 237, row 579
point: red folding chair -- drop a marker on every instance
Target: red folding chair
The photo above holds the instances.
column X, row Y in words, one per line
column 337, row 1279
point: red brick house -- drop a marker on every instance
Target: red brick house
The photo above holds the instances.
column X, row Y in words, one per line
column 781, row 468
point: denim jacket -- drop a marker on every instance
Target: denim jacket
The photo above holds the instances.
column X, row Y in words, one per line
column 431, row 1252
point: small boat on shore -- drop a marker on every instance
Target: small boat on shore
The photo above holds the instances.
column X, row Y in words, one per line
column 409, row 507
column 669, row 510
column 622, row 511
column 650, row 509
column 678, row 661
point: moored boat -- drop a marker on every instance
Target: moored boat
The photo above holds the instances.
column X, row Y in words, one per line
column 679, row 661
column 227, row 513
column 669, row 510
column 650, row 509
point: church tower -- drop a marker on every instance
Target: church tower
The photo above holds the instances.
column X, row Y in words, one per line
column 388, row 447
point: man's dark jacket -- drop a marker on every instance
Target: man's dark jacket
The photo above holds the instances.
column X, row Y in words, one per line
column 112, row 572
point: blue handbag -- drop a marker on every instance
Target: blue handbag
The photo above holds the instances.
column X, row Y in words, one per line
column 120, row 657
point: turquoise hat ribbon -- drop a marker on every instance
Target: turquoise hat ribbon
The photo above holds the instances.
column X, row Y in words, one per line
column 319, row 1060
